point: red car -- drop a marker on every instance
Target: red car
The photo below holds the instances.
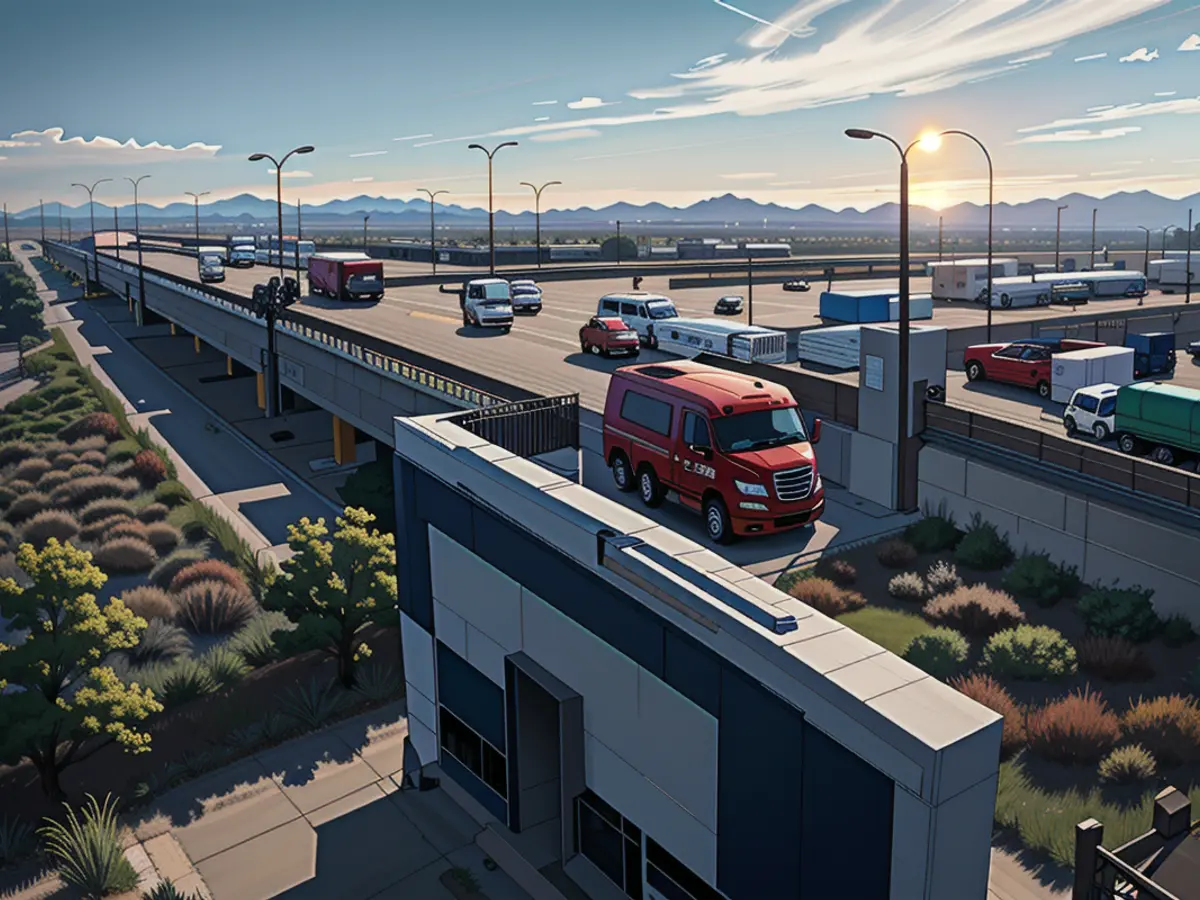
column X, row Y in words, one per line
column 1023, row 363
column 608, row 336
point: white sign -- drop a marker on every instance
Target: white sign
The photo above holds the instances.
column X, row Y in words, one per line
column 873, row 373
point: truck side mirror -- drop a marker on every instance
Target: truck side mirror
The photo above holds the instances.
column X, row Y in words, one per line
column 815, row 436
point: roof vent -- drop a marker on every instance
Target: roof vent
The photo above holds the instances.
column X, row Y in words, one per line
column 758, row 384
column 728, row 410
column 660, row 371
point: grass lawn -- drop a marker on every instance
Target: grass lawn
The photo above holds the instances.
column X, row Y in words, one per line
column 889, row 628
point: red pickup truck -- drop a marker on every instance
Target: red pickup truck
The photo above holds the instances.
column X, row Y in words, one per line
column 345, row 276
column 1023, row 363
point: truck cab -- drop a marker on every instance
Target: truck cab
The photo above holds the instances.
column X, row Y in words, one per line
column 210, row 263
column 241, row 255
column 487, row 303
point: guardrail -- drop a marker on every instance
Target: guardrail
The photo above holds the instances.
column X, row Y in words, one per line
column 1096, row 463
column 527, row 427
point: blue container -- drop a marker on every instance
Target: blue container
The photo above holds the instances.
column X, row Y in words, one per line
column 855, row 307
column 1153, row 353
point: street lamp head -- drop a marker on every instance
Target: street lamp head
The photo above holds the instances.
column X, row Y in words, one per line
column 255, row 157
column 509, row 144
column 477, row 147
column 931, row 142
column 305, row 149
column 861, row 134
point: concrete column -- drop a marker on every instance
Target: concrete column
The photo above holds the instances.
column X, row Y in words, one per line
column 1088, row 836
column 229, row 366
column 343, row 442
column 196, row 343
column 260, row 386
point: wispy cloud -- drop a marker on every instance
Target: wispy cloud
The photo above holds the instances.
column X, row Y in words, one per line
column 542, row 119
column 873, row 174
column 1109, row 173
column 544, row 102
column 293, row 173
column 1166, row 93
column 1190, row 44
column 1181, row 107
column 414, row 137
column 8, row 144
column 1091, row 57
column 363, row 180
column 575, row 134
column 590, row 103
column 800, row 31
column 1186, row 162
column 748, row 176
column 1096, row 109
column 368, row 153
column 51, row 143
column 1078, row 135
column 1141, row 54
column 1031, row 57
column 787, row 183
column 708, row 62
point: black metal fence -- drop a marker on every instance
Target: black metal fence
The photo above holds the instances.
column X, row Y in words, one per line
column 527, row 427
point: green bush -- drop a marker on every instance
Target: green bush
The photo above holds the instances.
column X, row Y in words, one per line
column 1034, row 576
column 933, row 534
column 120, row 451
column 160, row 642
column 58, row 387
column 255, row 642
column 983, row 548
column 39, row 365
column 1030, row 653
column 179, row 682
column 1119, row 612
column 378, row 682
column 48, row 425
column 370, row 487
column 1177, row 631
column 942, row 652
column 30, row 402
column 172, row 493
column 165, row 890
column 89, row 850
column 1127, row 765
column 16, row 451
column 226, row 666
column 314, row 704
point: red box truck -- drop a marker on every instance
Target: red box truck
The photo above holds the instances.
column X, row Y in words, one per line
column 345, row 276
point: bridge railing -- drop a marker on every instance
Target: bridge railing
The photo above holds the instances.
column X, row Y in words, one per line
column 527, row 427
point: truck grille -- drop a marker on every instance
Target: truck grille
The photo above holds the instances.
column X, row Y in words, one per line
column 794, row 484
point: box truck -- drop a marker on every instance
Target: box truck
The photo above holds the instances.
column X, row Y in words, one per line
column 345, row 276
column 966, row 279
column 1017, row 292
column 1153, row 353
column 1161, row 419
column 1081, row 368
column 749, row 343
column 1171, row 273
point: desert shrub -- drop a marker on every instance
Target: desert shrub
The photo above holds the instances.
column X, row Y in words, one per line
column 908, row 586
column 47, row 425
column 942, row 652
column 162, row 537
column 26, row 506
column 82, row 491
column 826, row 597
column 1077, row 728
column 105, row 509
column 165, row 890
column 1030, row 653
column 1119, row 612
column 31, row 469
column 51, row 480
column 1177, row 631
column 93, row 444
column 841, row 572
column 214, row 607
column 89, row 850
column 50, row 523
column 255, row 642
column 12, row 452
column 895, row 554
column 377, row 682
column 987, row 691
column 1114, row 659
column 82, row 470
column 58, row 387
column 942, row 578
column 933, row 534
column 208, row 570
column 93, row 458
column 28, row 403
column 125, row 555
column 1127, row 765
column 225, row 666
column 983, row 548
column 168, row 567
column 172, row 493
column 8, row 538
column 313, row 704
column 153, row 512
column 1034, row 576
column 96, row 530
column 18, row 839
column 126, row 528
column 97, row 423
column 63, row 461
column 120, row 451
column 17, row 486
column 78, row 403
column 976, row 610
column 51, row 449
column 150, row 602
column 149, row 468
column 7, row 496
column 160, row 642
column 1169, row 727
column 178, row 682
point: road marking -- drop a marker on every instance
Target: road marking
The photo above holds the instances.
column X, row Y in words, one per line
column 416, row 313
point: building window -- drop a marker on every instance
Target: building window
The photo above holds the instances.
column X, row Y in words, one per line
column 610, row 842
column 672, row 879
column 477, row 755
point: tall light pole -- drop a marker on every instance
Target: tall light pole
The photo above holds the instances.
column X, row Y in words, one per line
column 299, row 235
column 42, row 216
column 491, row 208
column 1092, row 259
column 1145, row 262
column 366, row 219
column 432, row 248
column 904, row 389
column 1188, row 268
column 1058, row 234
column 939, row 238
column 928, row 143
column 60, row 222
column 196, row 202
column 255, row 157
column 618, row 242
column 1165, row 231
column 137, row 236
column 537, row 213
column 6, row 246
column 92, row 213
column 116, row 232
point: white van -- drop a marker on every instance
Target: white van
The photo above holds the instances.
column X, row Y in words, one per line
column 1092, row 411
column 750, row 343
column 487, row 303
column 210, row 261
column 642, row 311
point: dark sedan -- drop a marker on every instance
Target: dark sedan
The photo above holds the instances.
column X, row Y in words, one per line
column 799, row 287
column 728, row 306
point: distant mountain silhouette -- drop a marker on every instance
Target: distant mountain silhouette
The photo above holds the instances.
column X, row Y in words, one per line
column 1122, row 210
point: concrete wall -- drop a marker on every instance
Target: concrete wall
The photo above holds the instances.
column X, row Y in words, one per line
column 1104, row 542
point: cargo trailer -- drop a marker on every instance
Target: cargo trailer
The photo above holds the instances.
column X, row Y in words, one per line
column 871, row 307
column 749, row 343
column 966, row 279
column 1018, row 292
column 1153, row 353
column 1076, row 369
column 345, row 276
column 1171, row 273
column 1160, row 419
column 1105, row 285
column 836, row 347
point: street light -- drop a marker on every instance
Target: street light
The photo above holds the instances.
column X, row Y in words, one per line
column 92, row 213
column 1165, row 231
column 432, row 249
column 929, row 143
column 269, row 302
column 196, row 197
column 537, row 213
column 1146, row 261
column 137, row 236
column 1187, row 275
column 366, row 218
column 116, row 232
column 255, row 157
column 1058, row 234
column 42, row 216
column 1092, row 259
column 491, row 208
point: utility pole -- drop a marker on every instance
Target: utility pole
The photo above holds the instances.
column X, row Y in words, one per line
column 939, row 238
column 42, row 216
column 92, row 213
column 618, row 242
column 1092, row 259
column 1188, row 268
column 6, row 246
column 299, row 235
column 749, row 287
column 196, row 202
column 432, row 248
column 1058, row 234
column 116, row 232
column 60, row 222
column 137, row 236
column 366, row 218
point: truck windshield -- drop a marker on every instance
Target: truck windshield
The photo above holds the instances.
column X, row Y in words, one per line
column 661, row 309
column 760, row 429
column 212, row 260
column 495, row 291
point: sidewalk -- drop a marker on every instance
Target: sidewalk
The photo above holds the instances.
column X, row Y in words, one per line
column 258, row 496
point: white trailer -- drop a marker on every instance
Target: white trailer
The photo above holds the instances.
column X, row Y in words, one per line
column 1018, row 292
column 1083, row 368
column 1104, row 284
column 966, row 279
column 1172, row 272
column 749, row 343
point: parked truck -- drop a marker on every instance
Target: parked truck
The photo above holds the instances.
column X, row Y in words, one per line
column 1153, row 353
column 751, row 343
column 345, row 276
column 1082, row 368
column 1160, row 419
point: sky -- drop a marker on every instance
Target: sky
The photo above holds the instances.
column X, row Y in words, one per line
column 670, row 101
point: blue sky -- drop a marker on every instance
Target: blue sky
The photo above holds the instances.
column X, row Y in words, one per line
column 670, row 100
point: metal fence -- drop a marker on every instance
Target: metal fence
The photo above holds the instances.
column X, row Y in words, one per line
column 1117, row 880
column 527, row 427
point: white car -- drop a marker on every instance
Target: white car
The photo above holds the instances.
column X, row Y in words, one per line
column 526, row 297
column 1091, row 411
column 487, row 303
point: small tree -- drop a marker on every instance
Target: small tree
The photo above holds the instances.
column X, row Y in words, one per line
column 334, row 589
column 68, row 704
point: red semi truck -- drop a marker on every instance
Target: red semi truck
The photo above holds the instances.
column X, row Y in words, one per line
column 345, row 276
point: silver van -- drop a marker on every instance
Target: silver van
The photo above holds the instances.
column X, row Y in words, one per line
column 640, row 310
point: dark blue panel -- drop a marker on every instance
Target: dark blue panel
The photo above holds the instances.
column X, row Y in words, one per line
column 466, row 779
column 760, row 749
column 693, row 671
column 414, row 588
column 471, row 696
column 444, row 508
column 514, row 776
column 578, row 593
column 846, row 844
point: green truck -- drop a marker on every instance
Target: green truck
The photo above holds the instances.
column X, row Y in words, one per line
column 1163, row 419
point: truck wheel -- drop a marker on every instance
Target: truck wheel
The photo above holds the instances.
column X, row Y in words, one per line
column 595, row 350
column 716, row 521
column 975, row 371
column 622, row 474
column 649, row 487
column 583, row 346
column 466, row 319
column 1163, row 455
column 1128, row 443
column 1069, row 424
column 1043, row 389
column 1100, row 431
column 1005, row 301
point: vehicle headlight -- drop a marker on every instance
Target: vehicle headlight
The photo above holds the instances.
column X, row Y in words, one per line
column 750, row 489
column 817, row 485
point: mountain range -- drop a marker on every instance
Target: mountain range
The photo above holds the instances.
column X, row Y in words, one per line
column 1123, row 210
